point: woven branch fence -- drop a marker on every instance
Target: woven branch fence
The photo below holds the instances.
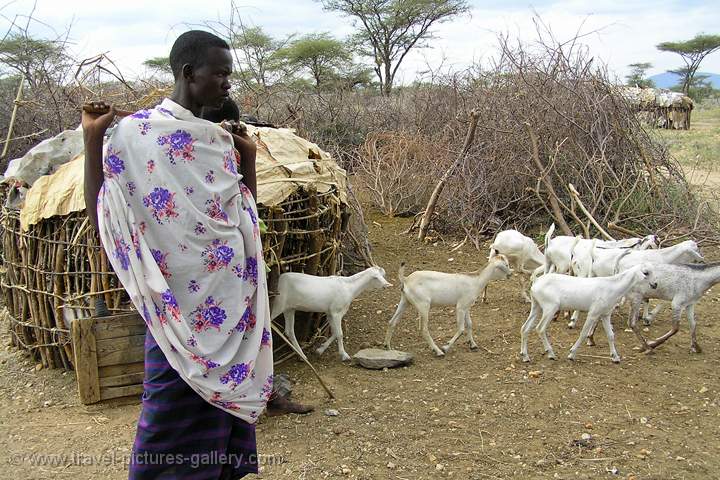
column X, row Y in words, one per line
column 58, row 265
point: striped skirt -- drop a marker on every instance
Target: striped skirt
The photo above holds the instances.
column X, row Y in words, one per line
column 182, row 437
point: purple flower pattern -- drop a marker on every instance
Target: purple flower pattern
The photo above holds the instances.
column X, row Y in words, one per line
column 161, row 203
column 217, row 255
column 178, row 145
column 236, row 375
column 121, row 252
column 161, row 260
column 208, row 315
column 214, row 209
column 113, row 164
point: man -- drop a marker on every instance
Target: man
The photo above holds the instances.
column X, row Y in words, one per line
column 182, row 235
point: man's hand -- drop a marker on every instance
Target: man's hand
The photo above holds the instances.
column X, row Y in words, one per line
column 95, row 125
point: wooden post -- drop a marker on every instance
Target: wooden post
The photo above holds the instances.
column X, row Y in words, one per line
column 85, row 360
column 12, row 117
column 430, row 209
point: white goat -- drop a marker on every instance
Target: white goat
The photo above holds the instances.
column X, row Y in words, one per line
column 330, row 295
column 606, row 262
column 559, row 251
column 425, row 288
column 683, row 286
column 597, row 296
column 522, row 253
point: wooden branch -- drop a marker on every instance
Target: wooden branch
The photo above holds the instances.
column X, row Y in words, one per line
column 554, row 204
column 280, row 334
column 12, row 117
column 432, row 203
column 576, row 196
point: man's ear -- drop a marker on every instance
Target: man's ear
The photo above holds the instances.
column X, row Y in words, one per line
column 187, row 71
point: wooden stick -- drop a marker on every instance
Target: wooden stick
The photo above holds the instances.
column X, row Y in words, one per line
column 279, row 333
column 430, row 209
column 554, row 204
column 576, row 196
column 12, row 117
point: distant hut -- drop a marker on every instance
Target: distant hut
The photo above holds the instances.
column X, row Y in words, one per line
column 661, row 108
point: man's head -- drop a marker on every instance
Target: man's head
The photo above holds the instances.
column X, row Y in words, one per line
column 227, row 111
column 201, row 63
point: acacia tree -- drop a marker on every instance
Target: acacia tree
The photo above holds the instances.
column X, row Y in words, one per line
column 389, row 29
column 693, row 52
column 638, row 75
column 159, row 64
column 321, row 55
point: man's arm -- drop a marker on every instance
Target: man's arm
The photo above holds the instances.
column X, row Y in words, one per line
column 94, row 127
column 248, row 151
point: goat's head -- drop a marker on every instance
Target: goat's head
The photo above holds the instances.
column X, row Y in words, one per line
column 377, row 277
column 649, row 241
column 690, row 252
column 644, row 275
column 500, row 267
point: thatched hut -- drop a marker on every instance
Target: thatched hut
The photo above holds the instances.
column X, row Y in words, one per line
column 54, row 268
column 661, row 108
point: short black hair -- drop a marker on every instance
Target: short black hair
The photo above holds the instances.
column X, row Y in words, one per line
column 227, row 111
column 191, row 47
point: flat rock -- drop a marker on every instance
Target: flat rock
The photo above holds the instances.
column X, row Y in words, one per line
column 377, row 359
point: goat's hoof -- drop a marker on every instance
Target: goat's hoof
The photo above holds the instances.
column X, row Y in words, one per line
column 526, row 359
column 551, row 355
column 590, row 342
column 345, row 357
column 439, row 353
column 652, row 344
column 695, row 349
column 571, row 324
column 445, row 348
column 616, row 359
column 647, row 322
column 319, row 351
column 474, row 347
column 571, row 357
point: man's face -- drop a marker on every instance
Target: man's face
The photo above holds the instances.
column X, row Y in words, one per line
column 209, row 84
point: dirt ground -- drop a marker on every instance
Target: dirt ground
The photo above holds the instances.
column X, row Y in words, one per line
column 473, row 414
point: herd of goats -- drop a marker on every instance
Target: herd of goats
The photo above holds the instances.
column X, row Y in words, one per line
column 573, row 274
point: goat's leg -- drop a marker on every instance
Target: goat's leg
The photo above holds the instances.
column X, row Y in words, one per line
column 649, row 317
column 607, row 325
column 395, row 320
column 525, row 330
column 587, row 326
column 633, row 322
column 460, row 319
column 542, row 327
column 337, row 334
column 424, row 310
column 574, row 319
column 484, row 295
column 524, row 285
column 469, row 331
column 690, row 312
column 590, row 342
column 290, row 330
column 677, row 312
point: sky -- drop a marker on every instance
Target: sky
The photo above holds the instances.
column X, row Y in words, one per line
column 619, row 32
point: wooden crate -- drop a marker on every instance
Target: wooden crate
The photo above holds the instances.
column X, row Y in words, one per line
column 109, row 356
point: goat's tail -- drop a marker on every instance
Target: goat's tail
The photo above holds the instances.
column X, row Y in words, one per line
column 548, row 236
column 401, row 274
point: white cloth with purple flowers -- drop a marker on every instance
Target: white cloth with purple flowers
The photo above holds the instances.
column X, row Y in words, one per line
column 182, row 235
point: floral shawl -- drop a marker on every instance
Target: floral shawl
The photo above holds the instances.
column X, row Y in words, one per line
column 182, row 235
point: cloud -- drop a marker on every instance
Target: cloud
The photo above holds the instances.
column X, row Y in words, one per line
column 625, row 31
